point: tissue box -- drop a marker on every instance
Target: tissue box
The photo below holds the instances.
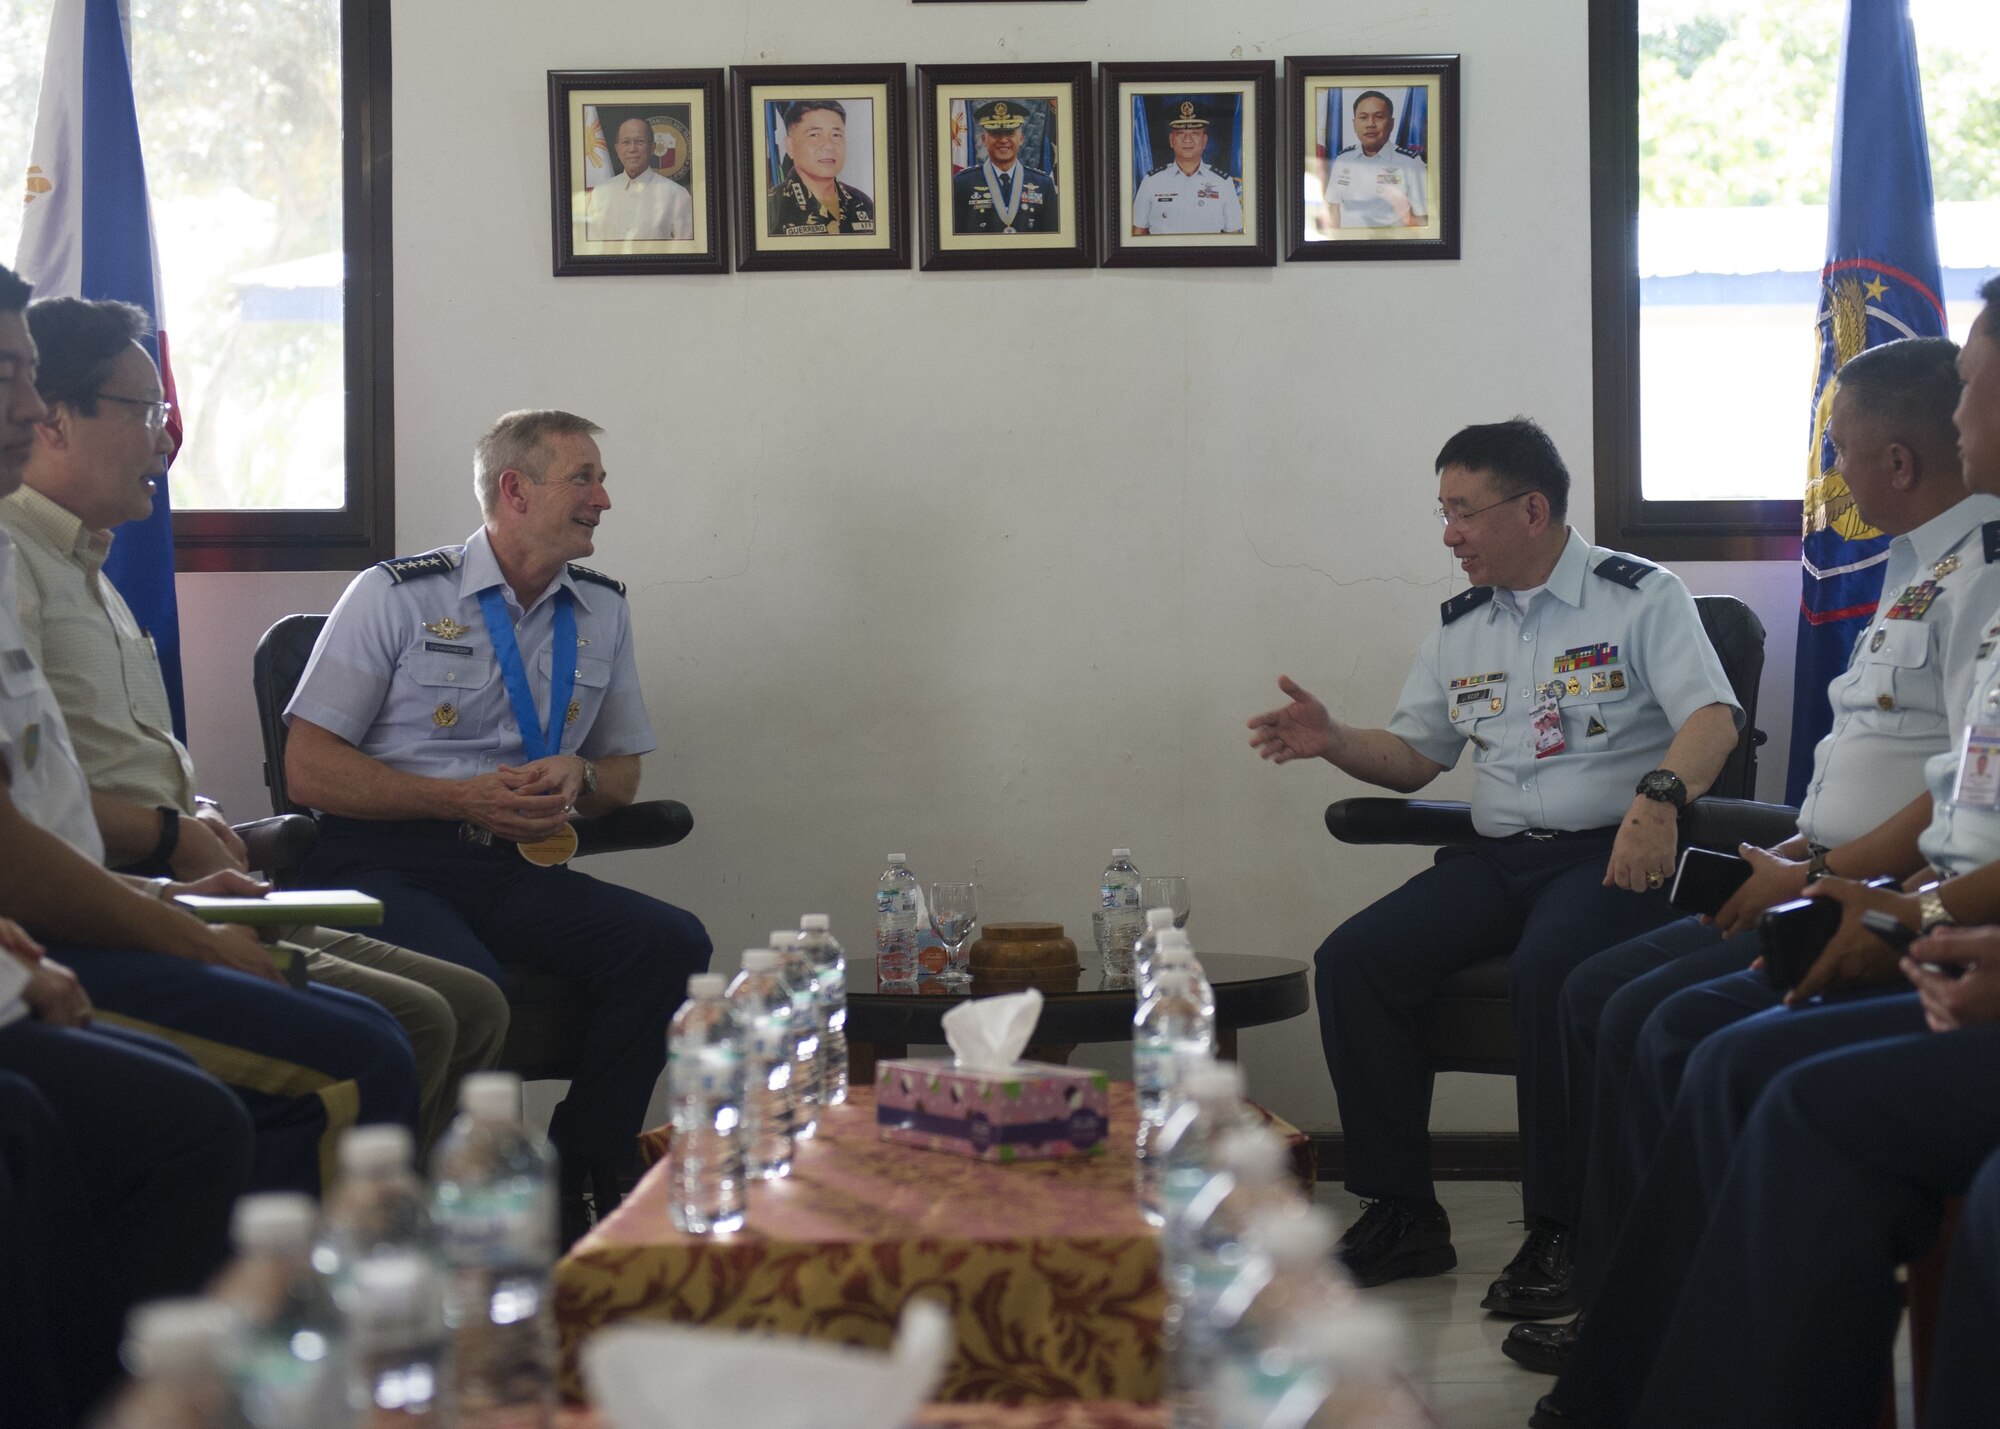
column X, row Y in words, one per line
column 1032, row 1111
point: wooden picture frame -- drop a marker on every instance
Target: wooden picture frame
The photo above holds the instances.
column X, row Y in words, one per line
column 840, row 201
column 669, row 214
column 1031, row 203
column 1170, row 201
column 1371, row 157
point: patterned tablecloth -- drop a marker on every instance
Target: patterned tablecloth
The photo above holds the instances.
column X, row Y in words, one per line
column 1060, row 1414
column 1050, row 1273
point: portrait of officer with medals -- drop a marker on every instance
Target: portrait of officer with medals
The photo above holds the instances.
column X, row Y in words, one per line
column 998, row 192
column 1188, row 195
column 808, row 198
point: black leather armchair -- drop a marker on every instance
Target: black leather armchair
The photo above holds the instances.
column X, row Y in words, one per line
column 1467, row 1027
column 546, row 1032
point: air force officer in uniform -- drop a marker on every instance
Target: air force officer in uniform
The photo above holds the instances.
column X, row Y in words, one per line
column 1375, row 183
column 1188, row 195
column 459, row 707
column 1595, row 708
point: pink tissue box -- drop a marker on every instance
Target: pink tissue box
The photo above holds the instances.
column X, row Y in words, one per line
column 1033, row 1111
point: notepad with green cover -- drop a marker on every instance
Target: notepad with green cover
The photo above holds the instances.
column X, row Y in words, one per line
column 337, row 907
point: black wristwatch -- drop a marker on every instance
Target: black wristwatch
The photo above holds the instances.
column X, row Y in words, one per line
column 1665, row 786
column 170, row 837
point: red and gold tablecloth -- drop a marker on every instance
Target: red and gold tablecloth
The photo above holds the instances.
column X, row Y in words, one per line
column 1051, row 1275
column 1058, row 1414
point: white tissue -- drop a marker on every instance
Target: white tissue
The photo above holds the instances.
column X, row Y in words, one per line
column 989, row 1034
column 650, row 1376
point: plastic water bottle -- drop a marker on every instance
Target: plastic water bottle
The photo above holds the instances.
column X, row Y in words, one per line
column 378, row 1251
column 291, row 1367
column 816, row 940
column 795, row 966
column 896, row 925
column 493, row 1198
column 1176, row 951
column 1268, row 1324
column 1170, row 1033
column 1123, row 921
column 1211, row 1103
column 179, row 1353
column 1210, row 1249
column 763, row 1007
column 705, row 1078
column 1158, row 920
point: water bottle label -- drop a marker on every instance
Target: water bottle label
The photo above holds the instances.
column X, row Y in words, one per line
column 509, row 1224
column 895, row 902
column 706, row 1072
column 771, row 1040
column 1152, row 1068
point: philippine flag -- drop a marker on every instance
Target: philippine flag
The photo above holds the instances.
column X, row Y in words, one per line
column 88, row 233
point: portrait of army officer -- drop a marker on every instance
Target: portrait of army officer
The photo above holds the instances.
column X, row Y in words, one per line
column 1189, row 195
column 1374, row 183
column 1000, row 194
column 808, row 198
column 640, row 202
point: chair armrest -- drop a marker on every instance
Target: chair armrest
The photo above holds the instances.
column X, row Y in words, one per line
column 1722, row 824
column 653, row 824
column 1400, row 821
column 280, row 843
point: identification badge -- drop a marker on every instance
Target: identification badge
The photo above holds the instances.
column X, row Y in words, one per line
column 1548, row 727
column 1979, row 769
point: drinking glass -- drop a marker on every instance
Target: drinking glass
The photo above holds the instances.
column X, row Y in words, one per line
column 954, row 911
column 1166, row 891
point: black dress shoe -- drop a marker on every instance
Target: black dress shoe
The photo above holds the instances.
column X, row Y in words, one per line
column 1541, row 1347
column 1550, row 1416
column 1397, row 1238
column 1535, row 1284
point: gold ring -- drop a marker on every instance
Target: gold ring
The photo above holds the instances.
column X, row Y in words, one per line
column 1656, row 880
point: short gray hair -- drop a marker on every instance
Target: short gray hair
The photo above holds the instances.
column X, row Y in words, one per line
column 515, row 441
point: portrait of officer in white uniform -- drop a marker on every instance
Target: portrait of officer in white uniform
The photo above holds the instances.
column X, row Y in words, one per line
column 639, row 203
column 1374, row 182
column 1189, row 195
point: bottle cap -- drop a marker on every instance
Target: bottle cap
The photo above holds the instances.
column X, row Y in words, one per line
column 491, row 1096
column 175, row 1338
column 783, row 939
column 897, row 860
column 1158, row 918
column 1118, row 853
column 384, row 1146
column 706, row 987
column 1214, row 1081
column 1297, row 1237
column 1252, row 1153
column 816, row 923
column 759, row 960
column 274, row 1223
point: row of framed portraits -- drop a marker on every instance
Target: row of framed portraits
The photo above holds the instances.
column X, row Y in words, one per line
column 809, row 165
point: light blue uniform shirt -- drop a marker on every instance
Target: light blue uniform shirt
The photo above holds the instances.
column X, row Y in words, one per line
column 385, row 679
column 1900, row 700
column 1478, row 676
column 1961, row 837
column 45, row 780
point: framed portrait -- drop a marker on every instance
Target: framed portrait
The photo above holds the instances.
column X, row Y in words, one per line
column 1372, row 156
column 1191, row 164
column 1005, row 167
column 821, row 154
column 635, row 171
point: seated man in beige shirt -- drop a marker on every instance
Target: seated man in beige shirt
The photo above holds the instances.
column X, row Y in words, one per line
column 96, row 458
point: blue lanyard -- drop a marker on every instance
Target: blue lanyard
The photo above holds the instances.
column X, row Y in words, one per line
column 539, row 743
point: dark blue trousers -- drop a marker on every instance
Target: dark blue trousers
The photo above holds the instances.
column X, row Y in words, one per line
column 488, row 909
column 1965, row 1373
column 1791, row 1304
column 119, row 1163
column 1605, row 1004
column 1543, row 906
column 1647, row 1271
column 306, row 1065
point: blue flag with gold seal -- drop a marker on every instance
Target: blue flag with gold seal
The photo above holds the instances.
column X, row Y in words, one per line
column 1880, row 283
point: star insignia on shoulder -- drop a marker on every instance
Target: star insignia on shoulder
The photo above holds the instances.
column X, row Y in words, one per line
column 446, row 629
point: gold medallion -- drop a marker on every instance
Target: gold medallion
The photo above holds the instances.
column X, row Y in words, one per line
column 1574, row 685
column 446, row 629
column 575, row 709
column 445, row 715
column 557, row 849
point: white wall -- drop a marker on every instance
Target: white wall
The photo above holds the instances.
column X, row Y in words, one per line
column 990, row 568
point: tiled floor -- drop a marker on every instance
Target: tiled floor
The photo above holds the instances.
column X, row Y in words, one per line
column 1455, row 1345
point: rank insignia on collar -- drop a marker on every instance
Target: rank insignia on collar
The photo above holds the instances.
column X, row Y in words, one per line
column 446, row 629
column 445, row 715
column 1946, row 566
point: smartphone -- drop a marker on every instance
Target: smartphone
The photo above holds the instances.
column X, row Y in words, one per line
column 1890, row 929
column 1706, row 880
column 1795, row 934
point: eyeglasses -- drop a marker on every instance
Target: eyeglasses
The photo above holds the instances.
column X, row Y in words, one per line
column 156, row 412
column 1460, row 518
